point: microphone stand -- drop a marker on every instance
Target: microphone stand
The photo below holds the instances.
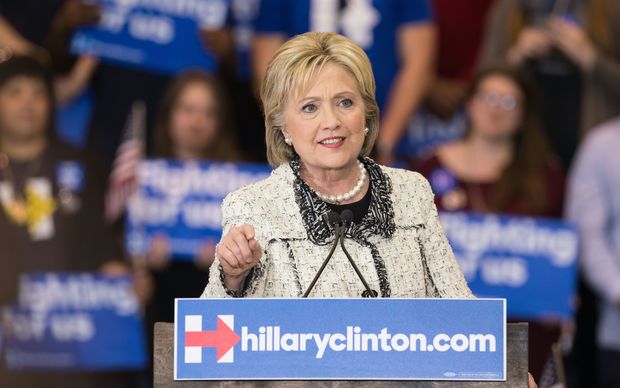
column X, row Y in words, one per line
column 347, row 216
column 333, row 219
column 339, row 222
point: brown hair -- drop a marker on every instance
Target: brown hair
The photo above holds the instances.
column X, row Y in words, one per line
column 224, row 147
column 523, row 179
column 24, row 66
column 292, row 68
column 597, row 23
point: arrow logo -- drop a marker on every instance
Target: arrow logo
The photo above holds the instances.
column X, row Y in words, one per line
column 223, row 338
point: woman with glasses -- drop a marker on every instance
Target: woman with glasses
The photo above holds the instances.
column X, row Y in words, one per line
column 502, row 165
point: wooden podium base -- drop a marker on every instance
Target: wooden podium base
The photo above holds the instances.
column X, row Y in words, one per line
column 516, row 368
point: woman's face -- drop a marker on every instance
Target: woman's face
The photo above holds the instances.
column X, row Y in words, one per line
column 194, row 120
column 24, row 108
column 496, row 110
column 326, row 122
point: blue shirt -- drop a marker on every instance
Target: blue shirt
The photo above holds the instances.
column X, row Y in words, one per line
column 372, row 24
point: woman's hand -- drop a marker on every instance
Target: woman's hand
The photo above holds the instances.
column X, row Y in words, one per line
column 238, row 252
column 158, row 256
column 532, row 42
column 530, row 381
column 573, row 41
column 68, row 87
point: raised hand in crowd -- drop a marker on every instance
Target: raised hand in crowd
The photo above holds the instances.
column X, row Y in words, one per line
column 72, row 15
column 573, row 41
column 76, row 81
column 13, row 42
column 76, row 13
column 532, row 42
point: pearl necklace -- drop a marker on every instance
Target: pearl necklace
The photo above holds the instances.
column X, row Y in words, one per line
column 337, row 199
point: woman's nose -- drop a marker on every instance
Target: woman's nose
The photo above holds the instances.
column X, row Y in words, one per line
column 331, row 119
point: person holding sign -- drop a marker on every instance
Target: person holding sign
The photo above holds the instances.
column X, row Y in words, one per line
column 321, row 122
column 502, row 165
column 51, row 218
column 192, row 124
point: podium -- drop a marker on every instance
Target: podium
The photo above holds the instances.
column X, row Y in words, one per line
column 517, row 368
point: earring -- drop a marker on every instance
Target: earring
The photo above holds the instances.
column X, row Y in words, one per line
column 288, row 140
column 366, row 131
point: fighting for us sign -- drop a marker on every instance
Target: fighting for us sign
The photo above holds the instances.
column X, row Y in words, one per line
column 340, row 339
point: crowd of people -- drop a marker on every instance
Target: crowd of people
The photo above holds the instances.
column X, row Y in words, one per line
column 518, row 101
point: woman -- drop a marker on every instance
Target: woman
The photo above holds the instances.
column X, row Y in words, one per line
column 501, row 166
column 321, row 121
column 193, row 124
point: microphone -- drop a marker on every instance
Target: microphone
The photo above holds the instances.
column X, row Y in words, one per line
column 347, row 216
column 334, row 220
column 339, row 223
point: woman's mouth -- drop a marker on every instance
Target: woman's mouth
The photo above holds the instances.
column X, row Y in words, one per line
column 332, row 142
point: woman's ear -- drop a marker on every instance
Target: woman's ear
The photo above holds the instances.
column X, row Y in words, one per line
column 287, row 137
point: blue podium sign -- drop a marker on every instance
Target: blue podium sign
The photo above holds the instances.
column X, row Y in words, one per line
column 157, row 35
column 340, row 339
column 71, row 321
column 182, row 201
column 517, row 258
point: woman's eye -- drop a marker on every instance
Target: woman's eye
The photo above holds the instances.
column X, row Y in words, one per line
column 309, row 108
column 346, row 102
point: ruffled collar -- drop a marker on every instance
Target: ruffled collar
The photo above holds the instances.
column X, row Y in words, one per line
column 379, row 220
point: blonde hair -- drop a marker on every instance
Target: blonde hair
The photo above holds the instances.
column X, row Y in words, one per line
column 292, row 68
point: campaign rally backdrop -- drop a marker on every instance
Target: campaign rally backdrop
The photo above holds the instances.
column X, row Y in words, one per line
column 182, row 201
column 74, row 321
column 157, row 35
column 343, row 339
column 532, row 262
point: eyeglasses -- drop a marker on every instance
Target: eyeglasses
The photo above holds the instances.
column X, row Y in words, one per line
column 493, row 99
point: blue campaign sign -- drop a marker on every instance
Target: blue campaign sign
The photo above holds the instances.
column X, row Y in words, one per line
column 182, row 201
column 425, row 132
column 157, row 35
column 517, row 258
column 333, row 339
column 71, row 321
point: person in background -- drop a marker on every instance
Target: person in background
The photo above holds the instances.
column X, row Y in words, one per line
column 593, row 204
column 51, row 215
column 193, row 124
column 572, row 49
column 502, row 165
column 398, row 36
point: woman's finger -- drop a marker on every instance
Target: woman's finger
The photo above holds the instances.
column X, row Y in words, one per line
column 227, row 257
column 242, row 244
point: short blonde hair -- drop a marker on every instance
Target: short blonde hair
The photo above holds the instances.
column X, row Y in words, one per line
column 292, row 68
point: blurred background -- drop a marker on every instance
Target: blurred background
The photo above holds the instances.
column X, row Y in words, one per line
column 508, row 107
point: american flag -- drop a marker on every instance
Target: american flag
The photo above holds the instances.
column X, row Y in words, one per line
column 123, row 180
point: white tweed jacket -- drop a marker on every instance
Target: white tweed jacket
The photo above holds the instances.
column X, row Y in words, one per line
column 399, row 246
